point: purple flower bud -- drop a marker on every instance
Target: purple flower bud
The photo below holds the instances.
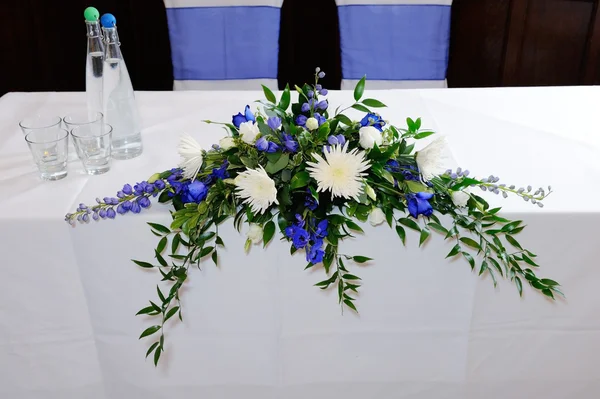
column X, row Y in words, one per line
column 98, row 200
column 520, row 190
column 85, row 218
column 82, row 207
column 79, row 218
column 540, row 204
column 126, row 205
column 321, row 75
column 102, row 213
column 216, row 147
column 322, row 105
column 310, row 94
column 453, row 176
column 526, row 199
column 121, row 209
column 318, row 87
column 110, row 213
column 127, row 189
column 529, row 188
column 512, row 187
column 448, row 171
column 504, row 194
column 144, row 202
column 332, row 140
column 305, row 107
column 459, row 171
column 301, row 120
column 466, row 173
column 159, row 184
column 323, row 92
column 483, row 188
column 120, row 194
column 135, row 207
column 484, row 180
column 341, row 139
column 274, row 122
column 95, row 216
column 262, row 144
column 149, row 188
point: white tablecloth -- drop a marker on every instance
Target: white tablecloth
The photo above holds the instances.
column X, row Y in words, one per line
column 255, row 327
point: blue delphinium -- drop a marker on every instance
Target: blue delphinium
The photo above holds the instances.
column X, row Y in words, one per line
column 310, row 202
column 301, row 120
column 274, row 122
column 320, row 118
column 247, row 117
column 410, row 172
column 374, row 120
column 266, row 146
column 418, row 204
column 289, row 144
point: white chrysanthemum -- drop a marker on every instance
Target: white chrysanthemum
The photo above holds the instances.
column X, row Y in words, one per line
column 460, row 198
column 248, row 132
column 191, row 156
column 340, row 172
column 257, row 189
column 434, row 159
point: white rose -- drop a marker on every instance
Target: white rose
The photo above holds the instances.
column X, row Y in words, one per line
column 226, row 143
column 312, row 124
column 248, row 132
column 376, row 216
column 460, row 198
column 255, row 234
column 369, row 136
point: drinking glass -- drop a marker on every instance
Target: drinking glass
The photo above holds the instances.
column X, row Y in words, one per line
column 40, row 122
column 92, row 142
column 82, row 118
column 49, row 148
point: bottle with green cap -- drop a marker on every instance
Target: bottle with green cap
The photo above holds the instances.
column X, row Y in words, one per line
column 119, row 101
column 95, row 60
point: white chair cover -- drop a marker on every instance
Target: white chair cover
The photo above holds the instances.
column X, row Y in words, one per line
column 224, row 44
column 396, row 43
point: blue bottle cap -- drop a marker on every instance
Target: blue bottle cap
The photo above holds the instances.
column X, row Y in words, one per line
column 108, row 21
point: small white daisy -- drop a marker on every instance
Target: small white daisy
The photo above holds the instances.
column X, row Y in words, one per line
column 191, row 156
column 257, row 189
column 341, row 172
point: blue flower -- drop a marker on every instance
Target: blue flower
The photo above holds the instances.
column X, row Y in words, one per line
column 310, row 94
column 300, row 238
column 135, row 207
column 410, row 172
column 266, row 146
column 322, row 105
column 321, row 119
column 310, row 202
column 321, row 230
column 418, row 204
column 315, row 253
column 102, row 213
column 274, row 122
column 323, row 92
column 144, row 202
column 301, row 120
column 239, row 118
column 110, row 213
column 127, row 190
column 195, row 191
column 289, row 144
column 373, row 120
column 305, row 107
column 159, row 184
column 221, row 172
column 335, row 140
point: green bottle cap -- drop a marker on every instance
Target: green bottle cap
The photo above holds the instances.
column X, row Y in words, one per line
column 91, row 14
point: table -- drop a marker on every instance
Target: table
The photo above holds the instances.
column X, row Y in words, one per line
column 255, row 327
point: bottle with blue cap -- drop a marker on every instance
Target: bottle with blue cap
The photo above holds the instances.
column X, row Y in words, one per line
column 94, row 62
column 120, row 108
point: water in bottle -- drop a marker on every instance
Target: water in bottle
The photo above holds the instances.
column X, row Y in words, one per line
column 94, row 62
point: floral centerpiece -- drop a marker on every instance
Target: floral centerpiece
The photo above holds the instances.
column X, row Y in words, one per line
column 310, row 176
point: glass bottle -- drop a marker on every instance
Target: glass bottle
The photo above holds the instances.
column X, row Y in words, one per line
column 119, row 100
column 94, row 62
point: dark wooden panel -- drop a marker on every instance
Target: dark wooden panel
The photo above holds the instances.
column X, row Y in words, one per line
column 477, row 41
column 547, row 42
column 591, row 64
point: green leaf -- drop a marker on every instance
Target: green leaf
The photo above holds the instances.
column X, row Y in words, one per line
column 371, row 102
column 438, row 227
column 416, row 187
column 175, row 243
column 353, row 226
column 273, row 168
column 495, row 263
column 425, row 233
column 401, row 233
column 273, row 156
column 160, row 228
column 161, row 245
column 160, row 259
column 152, row 347
column 171, row 312
column 268, row 232
column 146, row 310
column 513, row 242
column 548, row 293
column 269, row 94
column 344, row 119
column 454, row 251
column 360, row 88
column 214, row 258
column 143, row 264
column 206, row 251
column 350, row 305
column 149, row 331
column 422, row 135
column 361, row 259
column 484, row 267
column 410, row 223
column 157, row 353
column 284, row 103
column 349, row 276
column 470, row 242
column 519, row 285
column 160, row 294
column 549, row 282
column 511, row 226
column 465, row 182
column 470, row 259
column 300, row 179
column 361, row 108
column 528, row 260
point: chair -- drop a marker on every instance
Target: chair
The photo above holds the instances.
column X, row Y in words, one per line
column 396, row 43
column 224, row 44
